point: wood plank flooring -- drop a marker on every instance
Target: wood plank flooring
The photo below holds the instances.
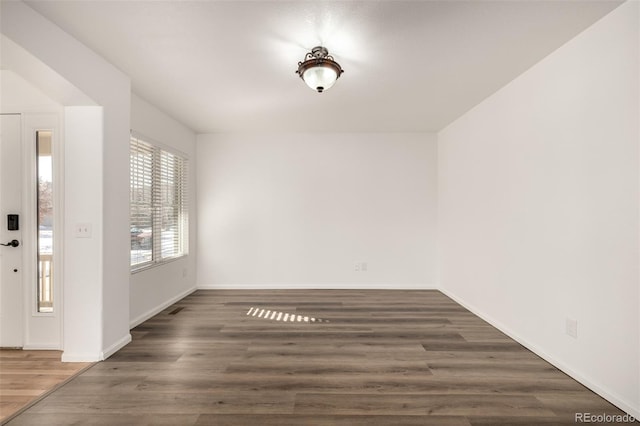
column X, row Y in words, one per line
column 380, row 358
column 26, row 376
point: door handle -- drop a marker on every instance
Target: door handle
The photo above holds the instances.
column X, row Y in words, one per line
column 12, row 243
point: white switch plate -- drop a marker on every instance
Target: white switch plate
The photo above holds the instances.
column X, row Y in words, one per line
column 83, row 230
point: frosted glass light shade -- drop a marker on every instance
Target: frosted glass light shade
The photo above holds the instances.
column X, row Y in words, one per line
column 318, row 70
column 320, row 78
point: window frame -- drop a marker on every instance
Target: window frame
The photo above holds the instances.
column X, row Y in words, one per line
column 158, row 172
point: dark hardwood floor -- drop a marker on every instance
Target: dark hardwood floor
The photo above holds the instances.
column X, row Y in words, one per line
column 376, row 358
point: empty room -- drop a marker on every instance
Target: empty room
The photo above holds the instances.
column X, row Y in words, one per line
column 319, row 212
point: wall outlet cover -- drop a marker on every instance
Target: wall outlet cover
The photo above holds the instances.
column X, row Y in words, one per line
column 572, row 327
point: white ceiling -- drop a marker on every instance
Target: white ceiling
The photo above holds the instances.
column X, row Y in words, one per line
column 410, row 66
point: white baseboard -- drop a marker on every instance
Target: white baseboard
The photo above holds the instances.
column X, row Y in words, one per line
column 318, row 286
column 150, row 313
column 95, row 357
column 580, row 377
column 81, row 357
column 44, row 347
column 116, row 347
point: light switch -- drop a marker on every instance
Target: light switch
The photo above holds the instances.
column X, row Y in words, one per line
column 83, row 230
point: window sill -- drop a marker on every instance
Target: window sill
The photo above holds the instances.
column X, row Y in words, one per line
column 146, row 266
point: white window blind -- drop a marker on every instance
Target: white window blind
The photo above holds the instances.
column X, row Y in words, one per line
column 158, row 203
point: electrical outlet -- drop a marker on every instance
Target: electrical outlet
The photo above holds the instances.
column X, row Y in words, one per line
column 360, row 266
column 572, row 327
column 184, row 272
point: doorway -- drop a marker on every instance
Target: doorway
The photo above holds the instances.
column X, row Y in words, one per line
column 30, row 291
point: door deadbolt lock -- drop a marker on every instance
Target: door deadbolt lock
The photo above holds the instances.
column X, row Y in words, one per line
column 12, row 243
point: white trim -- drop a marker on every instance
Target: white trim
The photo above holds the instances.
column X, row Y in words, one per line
column 580, row 377
column 101, row 356
column 115, row 347
column 318, row 286
column 47, row 347
column 150, row 313
column 141, row 267
column 81, row 357
column 40, row 324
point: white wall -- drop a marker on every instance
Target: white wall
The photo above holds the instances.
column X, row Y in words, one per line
column 154, row 289
column 83, row 171
column 33, row 70
column 17, row 95
column 299, row 210
column 539, row 207
column 108, row 87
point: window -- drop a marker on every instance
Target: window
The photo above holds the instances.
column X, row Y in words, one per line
column 44, row 220
column 158, row 204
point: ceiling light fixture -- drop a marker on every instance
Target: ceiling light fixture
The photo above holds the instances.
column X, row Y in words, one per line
column 318, row 70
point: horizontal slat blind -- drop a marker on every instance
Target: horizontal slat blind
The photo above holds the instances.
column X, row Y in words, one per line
column 141, row 205
column 172, row 202
column 159, row 216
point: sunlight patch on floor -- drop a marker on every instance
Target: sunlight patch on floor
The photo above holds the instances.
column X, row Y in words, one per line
column 285, row 317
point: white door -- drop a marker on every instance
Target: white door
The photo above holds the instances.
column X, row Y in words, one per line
column 11, row 290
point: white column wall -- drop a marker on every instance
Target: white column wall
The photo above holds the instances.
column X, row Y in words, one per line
column 83, row 204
